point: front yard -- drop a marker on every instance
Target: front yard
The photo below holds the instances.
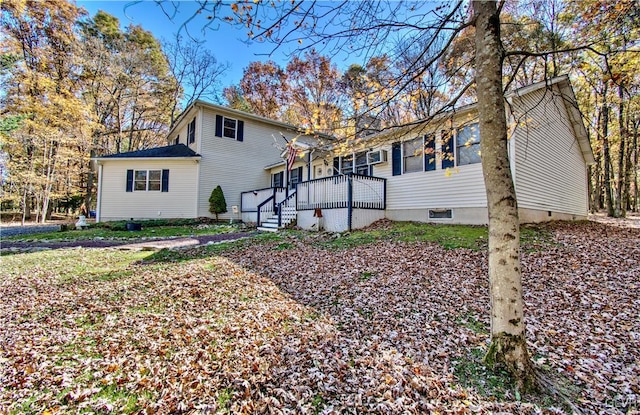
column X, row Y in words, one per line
column 392, row 320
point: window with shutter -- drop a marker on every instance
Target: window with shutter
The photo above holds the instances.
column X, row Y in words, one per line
column 229, row 128
column 412, row 152
column 147, row 180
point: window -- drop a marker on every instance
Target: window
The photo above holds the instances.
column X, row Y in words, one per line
column 440, row 214
column 346, row 165
column 412, row 151
column 191, row 132
column 154, row 180
column 447, row 149
column 295, row 177
column 229, row 128
column 362, row 167
column 468, row 145
column 140, row 180
column 430, row 153
column 147, row 181
column 278, row 179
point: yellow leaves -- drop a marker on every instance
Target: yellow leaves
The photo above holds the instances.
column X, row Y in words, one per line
column 234, row 7
column 448, row 172
column 113, row 367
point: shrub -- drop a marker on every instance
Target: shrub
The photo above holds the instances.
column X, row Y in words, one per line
column 217, row 204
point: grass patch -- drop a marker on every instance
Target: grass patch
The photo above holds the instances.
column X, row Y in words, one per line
column 117, row 230
column 534, row 238
column 472, row 373
column 284, row 246
column 448, row 236
column 75, row 265
column 206, row 251
column 366, row 276
column 472, row 323
column 472, row 237
column 318, row 403
column 225, row 397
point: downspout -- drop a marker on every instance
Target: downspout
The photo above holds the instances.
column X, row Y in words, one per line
column 197, row 195
column 99, row 196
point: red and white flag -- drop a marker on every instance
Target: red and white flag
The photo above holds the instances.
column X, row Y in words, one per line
column 291, row 158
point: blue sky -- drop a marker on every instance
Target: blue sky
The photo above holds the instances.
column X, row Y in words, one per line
column 225, row 41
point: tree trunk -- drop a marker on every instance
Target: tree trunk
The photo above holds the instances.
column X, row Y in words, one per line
column 634, row 161
column 508, row 344
column 598, row 182
column 620, row 191
column 26, row 207
column 607, row 161
column 629, row 166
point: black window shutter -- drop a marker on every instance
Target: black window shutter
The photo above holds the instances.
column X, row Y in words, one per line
column 129, row 180
column 396, row 159
column 218, row 125
column 336, row 166
column 165, row 180
column 300, row 174
column 240, row 130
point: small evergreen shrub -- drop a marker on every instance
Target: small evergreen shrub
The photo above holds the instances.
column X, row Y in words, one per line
column 217, row 203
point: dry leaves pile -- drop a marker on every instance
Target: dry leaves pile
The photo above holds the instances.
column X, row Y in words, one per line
column 377, row 328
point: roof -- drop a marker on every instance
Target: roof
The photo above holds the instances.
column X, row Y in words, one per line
column 241, row 114
column 173, row 151
column 567, row 95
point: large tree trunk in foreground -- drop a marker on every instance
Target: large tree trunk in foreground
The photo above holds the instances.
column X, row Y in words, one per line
column 508, row 344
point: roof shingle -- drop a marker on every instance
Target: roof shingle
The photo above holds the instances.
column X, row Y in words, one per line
column 176, row 150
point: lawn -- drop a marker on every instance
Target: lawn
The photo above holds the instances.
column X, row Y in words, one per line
column 151, row 229
column 388, row 320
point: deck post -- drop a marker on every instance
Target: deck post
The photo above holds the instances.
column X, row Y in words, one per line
column 349, row 200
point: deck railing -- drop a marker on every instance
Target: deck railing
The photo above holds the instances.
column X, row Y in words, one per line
column 250, row 200
column 352, row 190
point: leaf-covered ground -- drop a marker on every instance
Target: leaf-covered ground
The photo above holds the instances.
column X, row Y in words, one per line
column 299, row 326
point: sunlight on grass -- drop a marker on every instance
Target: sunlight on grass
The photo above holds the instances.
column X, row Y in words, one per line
column 118, row 231
column 448, row 236
column 73, row 264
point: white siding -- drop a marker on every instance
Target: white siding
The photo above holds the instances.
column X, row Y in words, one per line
column 463, row 187
column 237, row 166
column 551, row 174
column 178, row 202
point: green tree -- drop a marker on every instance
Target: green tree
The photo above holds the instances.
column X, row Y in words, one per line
column 43, row 90
column 217, row 203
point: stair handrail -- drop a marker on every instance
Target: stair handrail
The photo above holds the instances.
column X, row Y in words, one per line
column 269, row 199
column 279, row 207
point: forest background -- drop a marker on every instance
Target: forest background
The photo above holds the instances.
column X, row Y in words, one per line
column 76, row 86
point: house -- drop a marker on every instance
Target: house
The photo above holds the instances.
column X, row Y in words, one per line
column 429, row 171
column 209, row 145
